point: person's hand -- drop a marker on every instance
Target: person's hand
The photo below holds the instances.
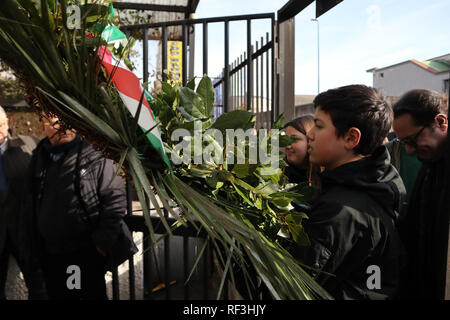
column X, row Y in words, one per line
column 103, row 253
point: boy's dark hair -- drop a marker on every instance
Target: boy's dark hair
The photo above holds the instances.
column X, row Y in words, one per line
column 361, row 107
column 422, row 104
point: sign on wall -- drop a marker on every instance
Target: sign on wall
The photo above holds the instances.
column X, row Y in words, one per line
column 175, row 60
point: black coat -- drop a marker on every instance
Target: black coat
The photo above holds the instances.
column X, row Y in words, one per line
column 425, row 234
column 98, row 223
column 15, row 206
column 351, row 226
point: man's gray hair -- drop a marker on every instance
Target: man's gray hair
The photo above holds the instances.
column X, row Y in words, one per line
column 3, row 113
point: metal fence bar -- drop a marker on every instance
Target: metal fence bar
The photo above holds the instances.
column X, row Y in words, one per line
column 249, row 64
column 115, row 284
column 131, row 274
column 145, row 53
column 261, row 98
column 205, row 48
column 240, row 83
column 164, row 53
column 273, row 72
column 147, row 264
column 197, row 21
column 226, row 73
column 207, row 272
column 185, row 266
column 256, row 81
column 184, row 53
column 267, row 75
column 167, row 269
column 245, row 93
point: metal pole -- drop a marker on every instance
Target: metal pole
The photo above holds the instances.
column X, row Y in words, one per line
column 164, row 53
column 318, row 56
column 205, row 48
column 249, row 65
column 226, row 75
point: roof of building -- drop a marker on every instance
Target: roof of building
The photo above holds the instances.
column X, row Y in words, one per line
column 435, row 65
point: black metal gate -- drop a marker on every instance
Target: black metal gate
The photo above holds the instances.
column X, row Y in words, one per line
column 246, row 83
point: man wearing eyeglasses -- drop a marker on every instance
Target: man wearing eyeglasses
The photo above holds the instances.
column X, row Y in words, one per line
column 421, row 123
column 78, row 206
column 15, row 207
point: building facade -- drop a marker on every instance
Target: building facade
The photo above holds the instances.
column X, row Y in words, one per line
column 394, row 80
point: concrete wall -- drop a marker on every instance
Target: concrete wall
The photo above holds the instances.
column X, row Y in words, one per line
column 401, row 78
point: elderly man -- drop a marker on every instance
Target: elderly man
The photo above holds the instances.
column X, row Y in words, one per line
column 15, row 210
column 78, row 207
column 421, row 123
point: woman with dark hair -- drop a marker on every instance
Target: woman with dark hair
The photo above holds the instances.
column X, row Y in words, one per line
column 299, row 168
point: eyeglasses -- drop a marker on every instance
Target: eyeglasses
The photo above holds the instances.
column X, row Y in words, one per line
column 54, row 124
column 412, row 141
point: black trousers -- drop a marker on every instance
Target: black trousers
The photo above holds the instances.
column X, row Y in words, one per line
column 75, row 276
column 34, row 279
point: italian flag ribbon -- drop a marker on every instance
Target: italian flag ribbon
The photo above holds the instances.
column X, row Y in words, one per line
column 130, row 90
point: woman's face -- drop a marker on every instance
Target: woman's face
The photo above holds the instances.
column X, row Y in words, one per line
column 297, row 152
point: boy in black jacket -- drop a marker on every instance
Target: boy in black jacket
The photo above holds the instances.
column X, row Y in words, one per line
column 351, row 225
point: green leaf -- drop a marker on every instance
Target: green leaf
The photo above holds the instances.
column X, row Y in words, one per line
column 236, row 119
column 278, row 124
column 206, row 90
column 244, row 170
column 285, row 140
column 192, row 103
column 191, row 84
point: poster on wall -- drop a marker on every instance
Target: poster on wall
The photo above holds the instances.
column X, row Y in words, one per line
column 175, row 60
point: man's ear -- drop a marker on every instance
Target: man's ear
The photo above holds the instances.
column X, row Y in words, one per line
column 442, row 121
column 351, row 138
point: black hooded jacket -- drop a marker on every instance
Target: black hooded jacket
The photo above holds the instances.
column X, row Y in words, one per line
column 351, row 227
column 62, row 221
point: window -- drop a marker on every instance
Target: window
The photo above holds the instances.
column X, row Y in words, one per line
column 446, row 85
column 382, row 75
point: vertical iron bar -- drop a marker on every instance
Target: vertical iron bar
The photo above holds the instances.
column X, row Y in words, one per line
column 145, row 57
column 273, row 73
column 205, row 48
column 226, row 69
column 167, row 268
column 184, row 58
column 206, row 272
column 236, row 83
column 232, row 87
column 249, row 65
column 164, row 53
column 240, row 82
column 244, row 85
column 148, row 281
column 261, row 97
column 186, row 266
column 115, row 284
column 267, row 76
column 131, row 275
column 256, row 84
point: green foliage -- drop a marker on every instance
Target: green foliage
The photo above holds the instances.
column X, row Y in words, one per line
column 254, row 190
